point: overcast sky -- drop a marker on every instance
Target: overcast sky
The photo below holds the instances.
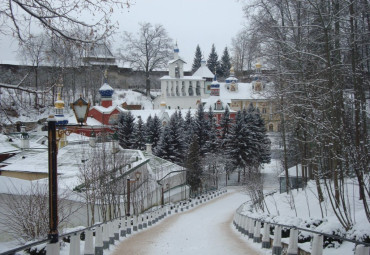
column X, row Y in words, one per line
column 189, row 22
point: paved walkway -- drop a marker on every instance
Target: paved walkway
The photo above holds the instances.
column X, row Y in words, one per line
column 204, row 230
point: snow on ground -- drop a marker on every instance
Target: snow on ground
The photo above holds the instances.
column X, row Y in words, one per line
column 206, row 229
column 302, row 209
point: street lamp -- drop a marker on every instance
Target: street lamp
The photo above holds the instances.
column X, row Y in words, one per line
column 80, row 108
column 81, row 114
column 137, row 175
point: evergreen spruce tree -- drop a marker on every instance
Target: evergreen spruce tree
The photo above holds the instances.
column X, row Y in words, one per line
column 225, row 64
column 177, row 138
column 156, row 131
column 164, row 147
column 126, row 127
column 261, row 146
column 197, row 59
column 139, row 135
column 153, row 131
column 212, row 144
column 194, row 166
column 212, row 62
column 201, row 129
column 225, row 123
column 188, row 127
column 238, row 147
column 171, row 145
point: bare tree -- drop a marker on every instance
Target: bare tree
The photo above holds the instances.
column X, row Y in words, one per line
column 24, row 212
column 59, row 17
column 148, row 50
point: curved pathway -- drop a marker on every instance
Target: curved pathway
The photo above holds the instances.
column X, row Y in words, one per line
column 206, row 229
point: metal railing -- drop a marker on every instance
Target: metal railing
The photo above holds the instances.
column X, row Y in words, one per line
column 242, row 223
column 159, row 213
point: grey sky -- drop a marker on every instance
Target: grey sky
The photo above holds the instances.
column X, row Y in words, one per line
column 189, row 22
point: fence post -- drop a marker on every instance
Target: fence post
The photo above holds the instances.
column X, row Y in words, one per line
column 266, row 236
column 247, row 220
column 99, row 241
column 116, row 229
column 123, row 227
column 257, row 232
column 111, row 232
column 251, row 228
column 362, row 250
column 134, row 224
column 276, row 245
column 293, row 242
column 128, row 229
column 89, row 243
column 150, row 217
column 140, row 222
column 317, row 244
column 105, row 236
column 74, row 248
column 53, row 248
column 145, row 224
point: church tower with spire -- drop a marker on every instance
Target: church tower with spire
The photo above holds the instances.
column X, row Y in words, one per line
column 106, row 92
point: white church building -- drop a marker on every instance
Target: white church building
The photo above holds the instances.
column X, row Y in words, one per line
column 183, row 92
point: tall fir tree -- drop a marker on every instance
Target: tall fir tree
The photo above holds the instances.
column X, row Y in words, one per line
column 188, row 129
column 197, row 59
column 212, row 62
column 225, row 124
column 139, row 135
column 237, row 142
column 194, row 166
column 201, row 129
column 177, row 138
column 212, row 143
column 225, row 64
column 171, row 145
column 256, row 124
column 164, row 147
column 154, row 131
column 126, row 127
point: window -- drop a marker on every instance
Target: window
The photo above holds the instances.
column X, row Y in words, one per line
column 191, row 89
column 271, row 128
column 218, row 105
column 197, row 89
column 264, row 110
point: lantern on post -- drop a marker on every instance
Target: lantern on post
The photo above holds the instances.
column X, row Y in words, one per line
column 80, row 108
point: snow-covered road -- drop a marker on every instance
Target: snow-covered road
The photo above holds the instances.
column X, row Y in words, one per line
column 206, row 229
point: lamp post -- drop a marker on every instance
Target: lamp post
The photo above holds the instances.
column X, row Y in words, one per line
column 169, row 192
column 53, row 173
column 129, row 181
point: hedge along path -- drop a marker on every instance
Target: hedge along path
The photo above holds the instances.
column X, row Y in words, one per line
column 205, row 229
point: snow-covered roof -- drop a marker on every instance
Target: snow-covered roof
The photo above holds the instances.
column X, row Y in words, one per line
column 100, row 51
column 105, row 86
column 177, row 59
column 190, row 78
column 212, row 100
column 203, row 72
column 103, row 109
column 245, row 91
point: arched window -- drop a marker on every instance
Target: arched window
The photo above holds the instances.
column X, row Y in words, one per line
column 197, row 89
column 191, row 92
